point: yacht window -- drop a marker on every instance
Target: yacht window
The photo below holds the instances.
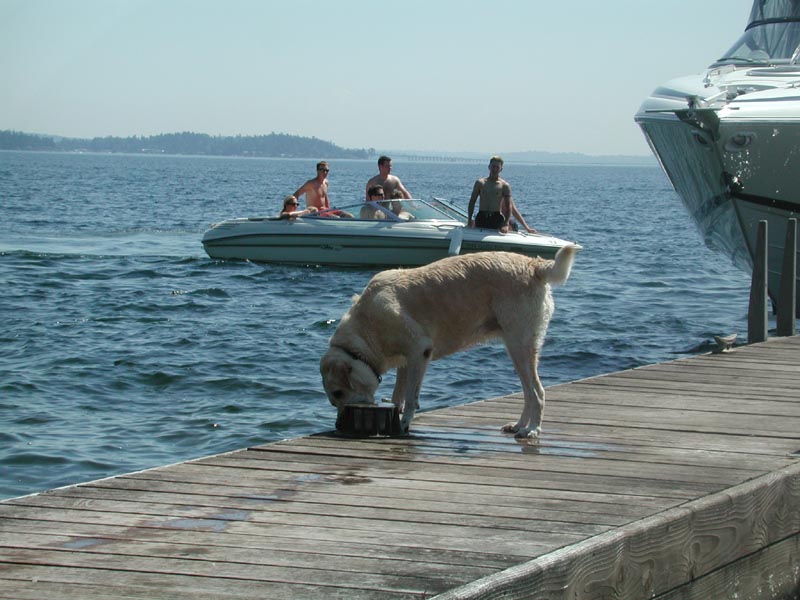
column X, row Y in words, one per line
column 772, row 35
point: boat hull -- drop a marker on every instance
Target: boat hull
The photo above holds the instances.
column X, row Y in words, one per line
column 339, row 243
column 732, row 166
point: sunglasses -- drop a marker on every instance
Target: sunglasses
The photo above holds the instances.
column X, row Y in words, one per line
column 324, row 170
column 291, row 204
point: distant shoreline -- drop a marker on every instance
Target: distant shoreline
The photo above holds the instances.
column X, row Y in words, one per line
column 283, row 146
column 587, row 161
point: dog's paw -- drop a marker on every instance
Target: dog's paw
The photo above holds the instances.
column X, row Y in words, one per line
column 527, row 433
column 405, row 425
column 512, row 427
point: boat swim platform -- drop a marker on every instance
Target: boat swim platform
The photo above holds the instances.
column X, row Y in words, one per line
column 672, row 481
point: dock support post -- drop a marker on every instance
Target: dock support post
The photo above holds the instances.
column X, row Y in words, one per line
column 757, row 324
column 787, row 297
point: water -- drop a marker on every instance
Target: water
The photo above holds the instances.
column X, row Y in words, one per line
column 123, row 346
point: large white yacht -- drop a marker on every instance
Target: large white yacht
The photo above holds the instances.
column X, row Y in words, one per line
column 729, row 138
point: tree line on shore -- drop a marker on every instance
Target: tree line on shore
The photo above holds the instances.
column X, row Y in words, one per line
column 271, row 145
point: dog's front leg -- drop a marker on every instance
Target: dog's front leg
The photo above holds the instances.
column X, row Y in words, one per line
column 399, row 392
column 414, row 373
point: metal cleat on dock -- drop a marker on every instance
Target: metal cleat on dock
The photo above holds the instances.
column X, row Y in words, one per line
column 724, row 343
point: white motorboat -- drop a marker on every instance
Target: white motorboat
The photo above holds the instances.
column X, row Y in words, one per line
column 390, row 233
column 729, row 138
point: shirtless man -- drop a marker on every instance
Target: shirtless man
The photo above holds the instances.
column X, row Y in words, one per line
column 386, row 180
column 316, row 190
column 495, row 195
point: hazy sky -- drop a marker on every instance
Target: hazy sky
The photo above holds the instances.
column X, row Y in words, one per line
column 451, row 75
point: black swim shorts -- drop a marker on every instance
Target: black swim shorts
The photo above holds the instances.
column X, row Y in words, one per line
column 489, row 219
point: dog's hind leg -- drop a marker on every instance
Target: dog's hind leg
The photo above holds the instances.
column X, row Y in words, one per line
column 526, row 360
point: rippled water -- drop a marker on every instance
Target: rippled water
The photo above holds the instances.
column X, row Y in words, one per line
column 123, row 346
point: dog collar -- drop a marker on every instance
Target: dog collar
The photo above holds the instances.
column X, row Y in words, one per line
column 360, row 357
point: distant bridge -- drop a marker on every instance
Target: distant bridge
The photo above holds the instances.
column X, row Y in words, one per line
column 438, row 159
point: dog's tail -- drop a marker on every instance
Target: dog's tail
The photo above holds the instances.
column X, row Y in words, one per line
column 558, row 271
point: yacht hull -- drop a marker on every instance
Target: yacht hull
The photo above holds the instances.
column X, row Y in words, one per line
column 732, row 164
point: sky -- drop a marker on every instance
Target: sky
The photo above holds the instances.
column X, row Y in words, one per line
column 422, row 75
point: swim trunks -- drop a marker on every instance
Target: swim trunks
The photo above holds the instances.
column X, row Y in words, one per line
column 489, row 219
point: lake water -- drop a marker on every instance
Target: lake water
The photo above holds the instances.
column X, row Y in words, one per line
column 123, row 346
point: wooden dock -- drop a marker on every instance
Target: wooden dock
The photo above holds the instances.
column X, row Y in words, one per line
column 672, row 481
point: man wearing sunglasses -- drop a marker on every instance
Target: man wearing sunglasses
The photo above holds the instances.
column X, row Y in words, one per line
column 316, row 190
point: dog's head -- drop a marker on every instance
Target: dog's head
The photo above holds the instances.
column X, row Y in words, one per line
column 346, row 379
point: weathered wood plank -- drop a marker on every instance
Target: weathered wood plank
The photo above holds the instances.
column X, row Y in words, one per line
column 476, row 500
column 352, row 505
column 547, row 459
column 334, row 575
column 445, row 441
column 23, row 581
column 87, row 534
column 699, row 386
column 16, row 545
column 614, row 435
column 608, row 395
column 669, row 482
column 398, row 520
column 747, row 382
column 480, row 540
column 586, row 451
column 355, row 472
column 655, row 419
column 261, row 480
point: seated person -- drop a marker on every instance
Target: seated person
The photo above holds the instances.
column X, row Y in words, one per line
column 516, row 217
column 289, row 210
column 397, row 207
column 375, row 194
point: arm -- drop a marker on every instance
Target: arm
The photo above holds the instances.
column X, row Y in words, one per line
column 403, row 190
column 519, row 218
column 505, row 206
column 299, row 213
column 476, row 191
column 366, row 190
column 505, row 201
column 300, row 191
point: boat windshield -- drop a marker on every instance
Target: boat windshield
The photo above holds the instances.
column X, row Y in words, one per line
column 404, row 210
column 772, row 35
column 456, row 212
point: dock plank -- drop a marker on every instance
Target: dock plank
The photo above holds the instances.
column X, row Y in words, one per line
column 662, row 481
